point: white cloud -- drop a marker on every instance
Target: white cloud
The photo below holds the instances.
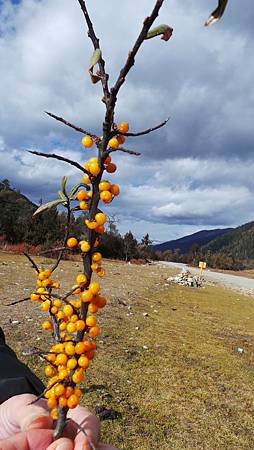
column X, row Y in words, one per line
column 191, row 172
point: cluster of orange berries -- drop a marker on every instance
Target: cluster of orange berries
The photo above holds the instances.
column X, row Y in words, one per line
column 68, row 360
column 67, row 363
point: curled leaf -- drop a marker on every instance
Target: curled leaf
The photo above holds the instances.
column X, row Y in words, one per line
column 94, row 60
column 217, row 13
column 48, row 205
column 62, row 196
column 63, row 185
column 73, row 192
column 165, row 30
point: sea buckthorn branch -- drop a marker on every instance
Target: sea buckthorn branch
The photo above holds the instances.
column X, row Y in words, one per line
column 34, row 265
column 124, row 150
column 72, row 318
column 79, row 129
column 96, row 44
column 67, row 230
column 59, row 158
column 148, row 130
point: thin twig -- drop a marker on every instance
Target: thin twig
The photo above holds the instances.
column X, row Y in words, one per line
column 71, row 125
column 96, row 44
column 82, row 429
column 124, row 150
column 18, row 301
column 57, row 249
column 59, row 158
column 32, row 262
column 149, row 130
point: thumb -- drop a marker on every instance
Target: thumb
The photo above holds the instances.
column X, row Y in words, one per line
column 29, row 440
column 17, row 414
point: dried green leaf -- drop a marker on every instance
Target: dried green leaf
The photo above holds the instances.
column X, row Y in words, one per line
column 63, row 185
column 217, row 13
column 48, row 205
column 94, row 60
column 165, row 30
column 62, row 196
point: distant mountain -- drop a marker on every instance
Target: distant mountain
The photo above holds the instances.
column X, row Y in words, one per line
column 200, row 238
column 237, row 243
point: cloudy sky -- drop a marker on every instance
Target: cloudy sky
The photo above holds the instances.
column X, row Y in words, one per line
column 198, row 171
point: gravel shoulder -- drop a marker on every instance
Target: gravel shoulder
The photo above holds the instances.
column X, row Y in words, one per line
column 235, row 282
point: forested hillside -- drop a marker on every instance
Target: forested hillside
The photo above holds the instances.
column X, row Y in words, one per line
column 238, row 243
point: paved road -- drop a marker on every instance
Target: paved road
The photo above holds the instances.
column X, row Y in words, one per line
column 246, row 285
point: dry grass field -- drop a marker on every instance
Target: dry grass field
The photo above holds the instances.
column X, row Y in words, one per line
column 167, row 360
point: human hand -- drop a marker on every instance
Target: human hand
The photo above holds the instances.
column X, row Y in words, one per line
column 29, row 427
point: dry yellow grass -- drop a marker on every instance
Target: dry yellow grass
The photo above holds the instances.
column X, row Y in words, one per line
column 173, row 375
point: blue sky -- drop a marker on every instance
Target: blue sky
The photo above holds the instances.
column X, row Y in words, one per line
column 197, row 172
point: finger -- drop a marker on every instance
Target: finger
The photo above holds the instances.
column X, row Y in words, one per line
column 91, row 425
column 17, row 414
column 61, row 444
column 29, row 440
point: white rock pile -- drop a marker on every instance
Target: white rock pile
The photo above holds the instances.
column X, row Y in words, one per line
column 186, row 278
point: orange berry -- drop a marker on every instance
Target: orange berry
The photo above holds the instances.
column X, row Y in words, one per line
column 97, row 242
column 81, row 195
column 79, row 348
column 100, row 218
column 92, row 308
column 123, row 127
column 59, row 389
column 74, row 318
column 94, row 287
column 71, row 364
column 49, row 371
column 71, row 327
column 106, row 197
column 104, row 185
column 68, row 391
column 83, row 362
column 100, row 230
column 94, row 331
column 54, row 310
column 78, row 376
column 87, row 141
column 77, row 392
column 114, row 189
column 54, row 414
column 56, row 284
column 91, row 224
column 84, row 246
column 86, row 180
column 97, row 257
column 62, row 374
column 47, row 325
column 80, row 325
column 94, row 169
column 83, row 205
column 72, row 401
column 101, row 302
column 100, row 272
column 91, row 321
column 35, row 297
column 72, row 242
column 113, row 143
column 68, row 310
column 111, row 168
column 94, row 267
column 62, row 401
column 107, row 160
column 121, row 139
column 81, row 278
column 90, row 194
column 86, row 296
column 57, row 303
column 69, row 349
column 52, row 402
column 51, row 357
column 45, row 306
column 61, row 359
column 90, row 354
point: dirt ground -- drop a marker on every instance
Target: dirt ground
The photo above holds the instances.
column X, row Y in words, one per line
column 174, row 366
